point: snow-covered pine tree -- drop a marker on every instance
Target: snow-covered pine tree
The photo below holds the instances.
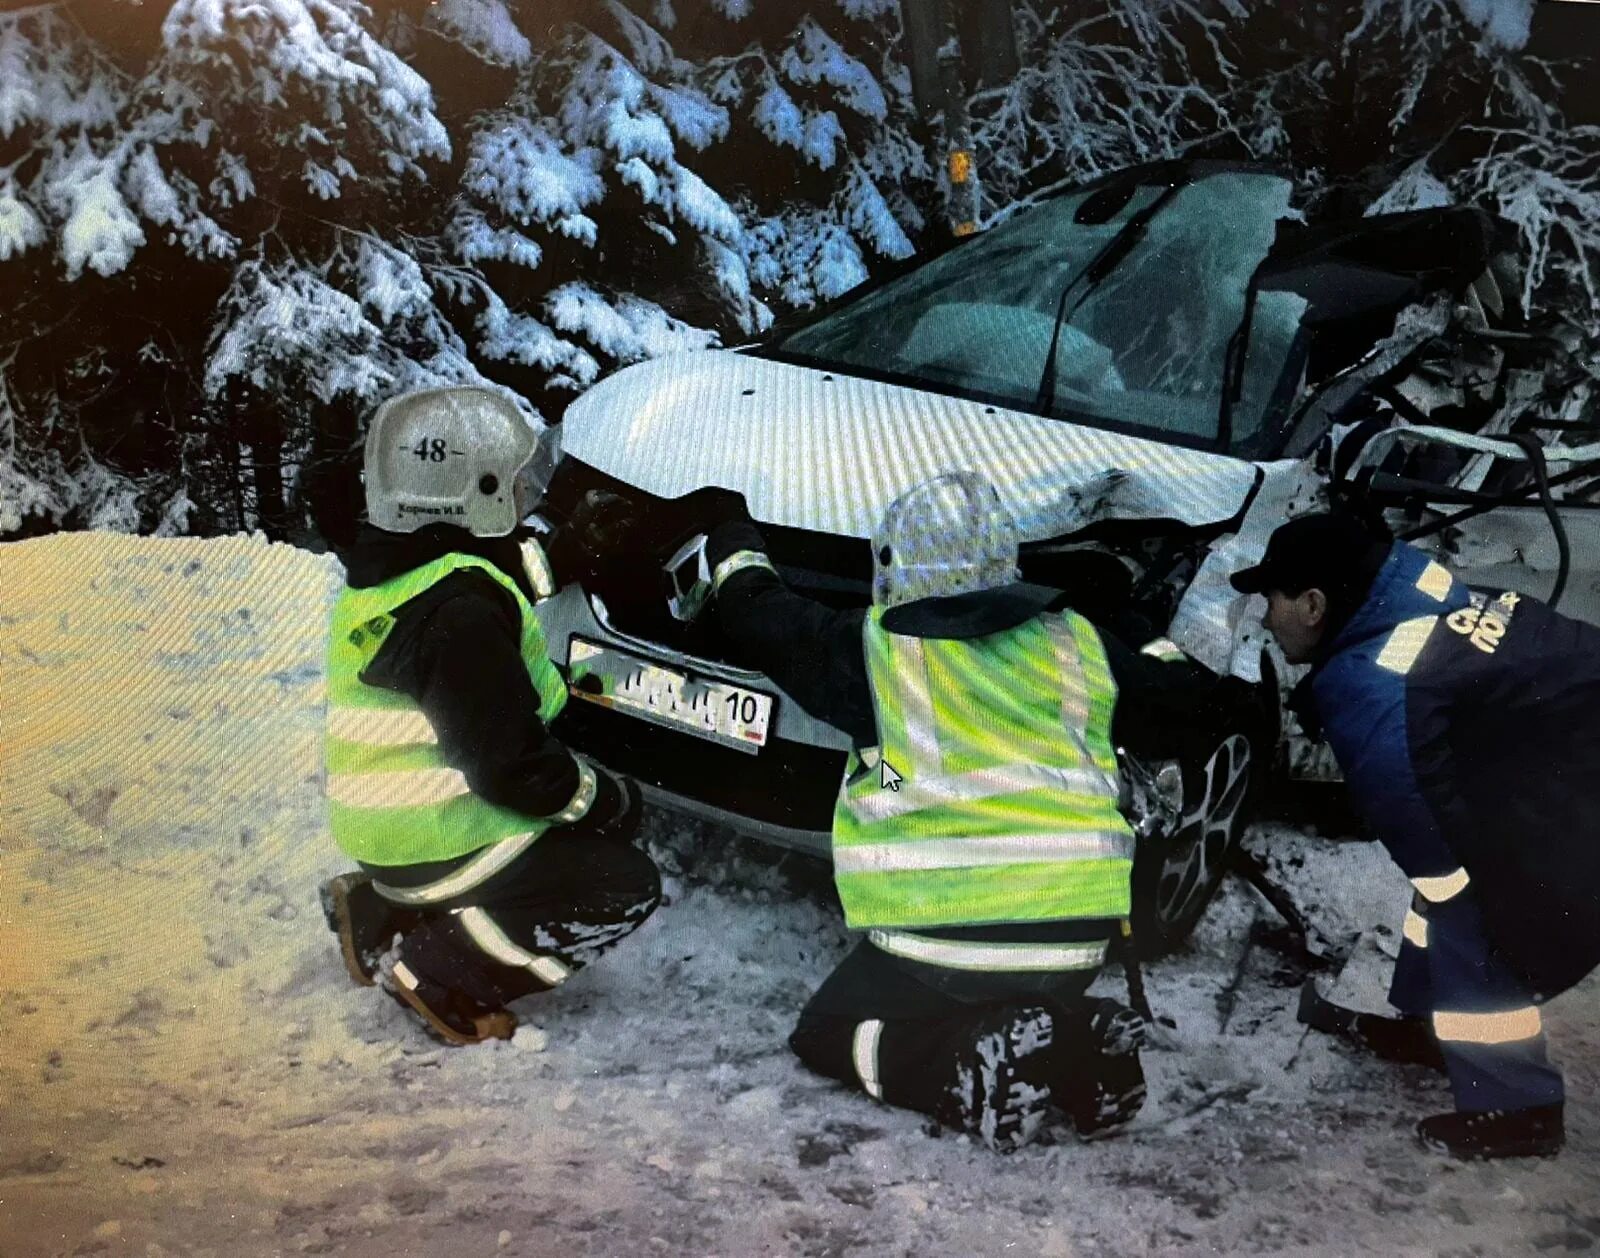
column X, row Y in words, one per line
column 850, row 183
column 631, row 198
column 239, row 224
column 174, row 209
column 62, row 210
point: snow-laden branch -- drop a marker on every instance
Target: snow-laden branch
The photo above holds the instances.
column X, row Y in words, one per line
column 1087, row 100
column 1548, row 184
column 116, row 152
column 1506, row 23
column 485, row 27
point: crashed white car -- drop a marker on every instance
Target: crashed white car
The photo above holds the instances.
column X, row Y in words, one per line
column 1154, row 371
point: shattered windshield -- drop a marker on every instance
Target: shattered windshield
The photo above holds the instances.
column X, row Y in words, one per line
column 1142, row 351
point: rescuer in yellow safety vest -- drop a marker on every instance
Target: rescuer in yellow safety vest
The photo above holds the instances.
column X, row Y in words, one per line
column 494, row 862
column 976, row 838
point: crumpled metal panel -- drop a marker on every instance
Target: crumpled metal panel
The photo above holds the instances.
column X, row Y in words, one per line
column 813, row 450
column 1214, row 623
column 1514, row 548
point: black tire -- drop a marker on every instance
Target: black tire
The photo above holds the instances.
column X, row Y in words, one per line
column 1176, row 874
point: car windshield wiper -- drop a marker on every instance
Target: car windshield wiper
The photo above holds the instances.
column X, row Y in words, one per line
column 1101, row 265
column 1233, row 362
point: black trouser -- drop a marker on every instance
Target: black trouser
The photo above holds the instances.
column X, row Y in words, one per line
column 924, row 1009
column 557, row 907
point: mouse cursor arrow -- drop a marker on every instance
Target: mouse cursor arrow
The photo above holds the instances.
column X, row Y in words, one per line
column 888, row 779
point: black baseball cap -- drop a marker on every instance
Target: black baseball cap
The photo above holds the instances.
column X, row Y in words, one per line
column 1333, row 551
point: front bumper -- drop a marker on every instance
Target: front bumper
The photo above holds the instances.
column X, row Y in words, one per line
column 783, row 793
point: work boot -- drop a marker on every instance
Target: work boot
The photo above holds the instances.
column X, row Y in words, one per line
column 998, row 1094
column 1538, row 1132
column 1112, row 1100
column 447, row 1015
column 1100, row 1082
column 1406, row 1041
column 365, row 922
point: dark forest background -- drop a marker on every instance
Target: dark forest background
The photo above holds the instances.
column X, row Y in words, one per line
column 228, row 230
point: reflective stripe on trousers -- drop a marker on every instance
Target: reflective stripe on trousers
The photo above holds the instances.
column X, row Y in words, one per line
column 496, row 944
column 1506, row 1027
column 1481, row 1012
column 864, row 1056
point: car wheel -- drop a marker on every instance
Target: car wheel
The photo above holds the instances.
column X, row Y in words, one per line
column 1177, row 870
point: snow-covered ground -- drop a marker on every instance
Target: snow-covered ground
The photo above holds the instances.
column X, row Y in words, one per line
column 185, row 1069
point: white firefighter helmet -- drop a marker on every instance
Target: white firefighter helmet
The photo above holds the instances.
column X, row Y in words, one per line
column 945, row 562
column 448, row 456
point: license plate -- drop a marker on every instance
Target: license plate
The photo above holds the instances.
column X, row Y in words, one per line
column 733, row 716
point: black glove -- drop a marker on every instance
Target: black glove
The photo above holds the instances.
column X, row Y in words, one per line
column 617, row 811
column 600, row 528
column 729, row 538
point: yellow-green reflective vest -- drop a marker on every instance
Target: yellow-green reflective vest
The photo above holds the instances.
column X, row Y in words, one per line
column 391, row 799
column 1006, row 807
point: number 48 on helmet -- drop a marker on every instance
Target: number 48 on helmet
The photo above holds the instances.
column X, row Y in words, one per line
column 461, row 456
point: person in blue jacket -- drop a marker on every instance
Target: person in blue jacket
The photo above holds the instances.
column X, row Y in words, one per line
column 1467, row 726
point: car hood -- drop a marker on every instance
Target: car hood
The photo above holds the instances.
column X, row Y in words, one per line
column 818, row 450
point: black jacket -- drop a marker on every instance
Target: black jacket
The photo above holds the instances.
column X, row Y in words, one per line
column 456, row 650
column 1484, row 741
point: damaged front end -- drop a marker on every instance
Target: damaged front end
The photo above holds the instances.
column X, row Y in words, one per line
column 1147, row 437
column 1469, row 427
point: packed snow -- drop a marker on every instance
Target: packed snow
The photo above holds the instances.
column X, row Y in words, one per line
column 189, row 1071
